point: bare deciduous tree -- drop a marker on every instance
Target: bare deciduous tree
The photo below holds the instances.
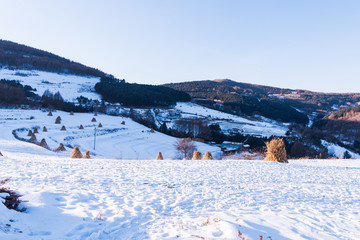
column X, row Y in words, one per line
column 185, row 147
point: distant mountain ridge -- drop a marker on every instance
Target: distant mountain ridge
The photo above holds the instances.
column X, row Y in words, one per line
column 282, row 104
column 19, row 56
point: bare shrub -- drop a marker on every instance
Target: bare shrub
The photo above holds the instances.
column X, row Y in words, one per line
column 185, row 147
column 76, row 153
column 159, row 156
column 11, row 199
column 275, row 151
column 208, row 156
column 196, row 156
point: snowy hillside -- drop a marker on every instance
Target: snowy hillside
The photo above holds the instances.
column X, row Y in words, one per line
column 228, row 122
column 114, row 140
column 70, row 86
column 119, row 199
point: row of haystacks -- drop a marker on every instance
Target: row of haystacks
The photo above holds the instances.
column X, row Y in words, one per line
column 71, row 113
column 196, row 156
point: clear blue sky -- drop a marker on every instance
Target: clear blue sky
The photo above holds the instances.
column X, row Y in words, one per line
column 308, row 44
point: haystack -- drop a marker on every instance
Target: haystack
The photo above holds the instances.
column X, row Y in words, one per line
column 76, row 153
column 87, row 155
column 100, row 125
column 275, row 151
column 196, row 156
column 32, row 138
column 81, row 126
column 36, row 130
column 123, row 122
column 30, row 133
column 44, row 129
column 50, row 114
column 60, row 148
column 58, row 120
column 63, row 128
column 95, row 114
column 93, row 120
column 43, row 143
column 159, row 156
column 71, row 113
column 208, row 156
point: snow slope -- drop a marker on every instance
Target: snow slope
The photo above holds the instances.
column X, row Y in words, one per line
column 69, row 86
column 120, row 199
column 113, row 140
column 265, row 127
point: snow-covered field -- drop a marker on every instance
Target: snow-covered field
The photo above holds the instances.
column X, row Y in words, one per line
column 113, row 140
column 69, row 86
column 124, row 199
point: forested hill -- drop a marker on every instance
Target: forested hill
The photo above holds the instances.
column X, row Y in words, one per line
column 286, row 105
column 20, row 56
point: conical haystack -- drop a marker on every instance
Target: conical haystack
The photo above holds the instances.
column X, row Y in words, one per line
column 207, row 156
column 58, row 120
column 60, row 148
column 32, row 138
column 43, row 143
column 95, row 114
column 100, row 125
column 275, row 151
column 44, row 129
column 159, row 156
column 76, row 153
column 71, row 113
column 81, row 127
column 196, row 156
column 123, row 122
column 63, row 128
column 93, row 120
column 50, row 114
column 36, row 130
column 30, row 133
column 87, row 155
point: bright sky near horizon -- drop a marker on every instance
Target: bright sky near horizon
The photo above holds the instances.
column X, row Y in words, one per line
column 303, row 44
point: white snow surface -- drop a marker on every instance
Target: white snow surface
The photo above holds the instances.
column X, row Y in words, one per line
column 128, row 199
column 70, row 86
